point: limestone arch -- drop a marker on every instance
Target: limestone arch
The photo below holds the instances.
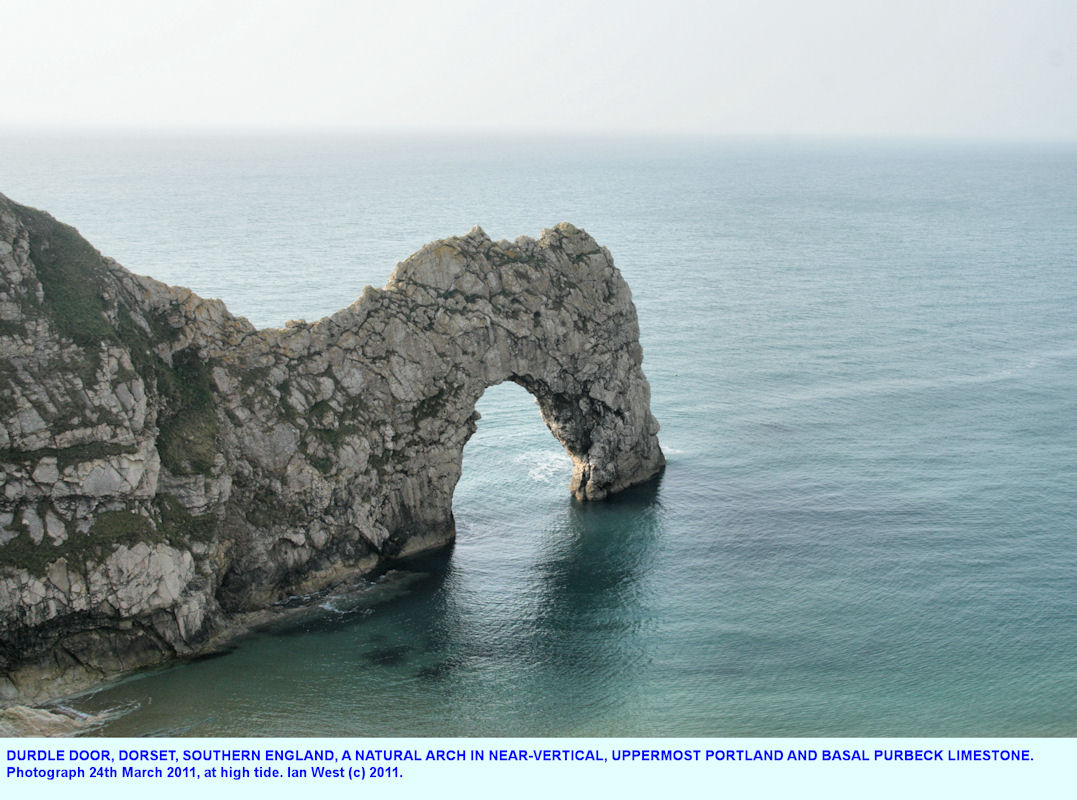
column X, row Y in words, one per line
column 552, row 315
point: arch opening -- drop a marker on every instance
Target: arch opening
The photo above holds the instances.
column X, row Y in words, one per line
column 510, row 454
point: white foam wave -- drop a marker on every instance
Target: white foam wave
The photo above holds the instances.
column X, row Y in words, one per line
column 328, row 605
column 545, row 466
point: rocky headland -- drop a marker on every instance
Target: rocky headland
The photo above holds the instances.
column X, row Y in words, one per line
column 169, row 469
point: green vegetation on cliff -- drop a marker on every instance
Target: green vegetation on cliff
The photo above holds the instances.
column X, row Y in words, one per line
column 72, row 276
column 110, row 530
column 188, row 425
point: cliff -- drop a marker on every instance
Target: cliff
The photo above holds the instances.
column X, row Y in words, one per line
column 166, row 466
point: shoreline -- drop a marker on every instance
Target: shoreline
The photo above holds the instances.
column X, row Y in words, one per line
column 47, row 708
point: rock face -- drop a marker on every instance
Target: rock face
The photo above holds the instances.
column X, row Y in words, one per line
column 166, row 465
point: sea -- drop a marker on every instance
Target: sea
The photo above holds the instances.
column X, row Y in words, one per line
column 862, row 354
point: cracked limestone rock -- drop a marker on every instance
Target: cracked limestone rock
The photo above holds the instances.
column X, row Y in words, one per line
column 166, row 466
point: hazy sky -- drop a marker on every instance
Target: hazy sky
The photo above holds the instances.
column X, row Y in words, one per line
column 980, row 68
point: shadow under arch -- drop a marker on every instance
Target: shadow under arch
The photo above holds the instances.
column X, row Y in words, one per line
column 593, row 609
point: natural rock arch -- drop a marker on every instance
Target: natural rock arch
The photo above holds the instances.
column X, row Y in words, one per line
column 555, row 317
column 166, row 464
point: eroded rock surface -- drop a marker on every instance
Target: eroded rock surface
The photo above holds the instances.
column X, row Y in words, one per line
column 166, row 465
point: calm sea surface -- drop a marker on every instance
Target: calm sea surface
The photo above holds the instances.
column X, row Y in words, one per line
column 864, row 361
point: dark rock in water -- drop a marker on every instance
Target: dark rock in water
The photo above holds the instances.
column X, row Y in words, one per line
column 388, row 656
column 167, row 467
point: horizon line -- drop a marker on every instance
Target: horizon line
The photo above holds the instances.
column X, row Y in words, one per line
column 598, row 134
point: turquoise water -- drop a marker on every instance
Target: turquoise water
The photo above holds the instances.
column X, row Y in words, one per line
column 864, row 360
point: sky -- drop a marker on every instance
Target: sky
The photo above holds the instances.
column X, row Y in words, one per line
column 985, row 69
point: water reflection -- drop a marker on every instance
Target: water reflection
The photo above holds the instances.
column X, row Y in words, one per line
column 585, row 643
